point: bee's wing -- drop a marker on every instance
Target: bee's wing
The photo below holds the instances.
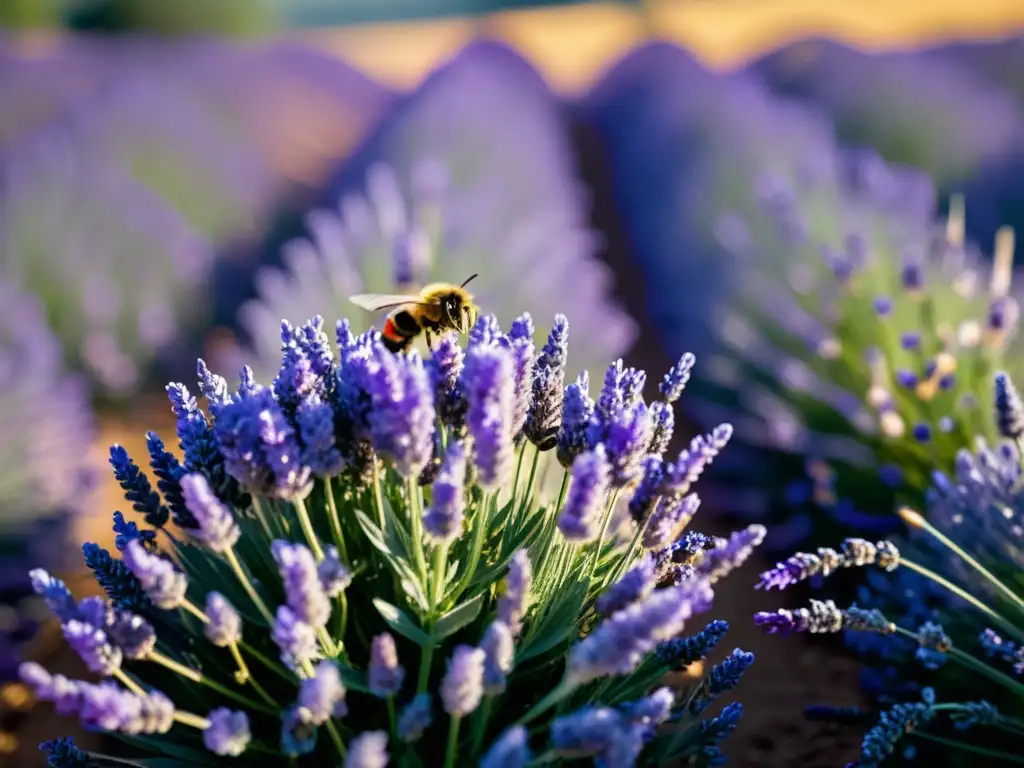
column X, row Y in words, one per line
column 374, row 302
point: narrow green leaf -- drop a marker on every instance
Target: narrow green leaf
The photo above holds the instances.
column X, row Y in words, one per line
column 458, row 617
column 401, row 623
column 183, row 755
column 409, row 581
column 557, row 626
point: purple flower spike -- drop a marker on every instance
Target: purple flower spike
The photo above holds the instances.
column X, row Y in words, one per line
column 368, row 750
column 386, row 674
column 692, row 461
column 93, row 647
column 295, row 638
column 485, row 331
column 303, row 591
column 663, row 424
column 322, row 696
column 543, row 420
column 315, row 420
column 415, row 718
column 626, row 435
column 580, row 518
column 108, row 707
column 334, row 576
column 648, row 490
column 636, row 584
column 651, row 710
column 1009, row 408
column 225, row 627
column 216, row 526
column 228, row 733
column 402, row 415
column 65, row 694
column 95, row 611
column 672, row 385
column 446, row 374
column 443, row 521
column 164, row 584
column 488, row 383
column 500, row 649
column 132, row 634
column 731, row 554
column 463, row 685
column 511, row 750
column 577, row 411
column 514, row 603
column 670, row 516
column 55, row 594
column 260, row 447
column 522, row 374
column 620, row 642
column 599, row 732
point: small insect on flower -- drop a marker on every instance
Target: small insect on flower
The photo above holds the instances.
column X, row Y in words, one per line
column 438, row 307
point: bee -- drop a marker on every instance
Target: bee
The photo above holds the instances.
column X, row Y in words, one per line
column 438, row 307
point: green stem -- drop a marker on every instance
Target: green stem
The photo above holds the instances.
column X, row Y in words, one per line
column 270, row 664
column 307, row 528
column 453, row 742
column 257, row 508
column 198, row 677
column 994, row 753
column 128, row 683
column 195, row 721
column 950, row 586
column 378, row 499
column 342, row 620
column 332, row 510
column 533, row 473
column 392, row 719
column 416, row 528
column 604, row 533
column 480, row 718
column 914, row 519
column 620, row 568
column 339, row 745
column 480, row 523
column 426, row 659
column 245, row 676
column 970, row 662
column 236, row 566
column 560, row 692
column 519, row 469
column 440, row 563
column 187, row 672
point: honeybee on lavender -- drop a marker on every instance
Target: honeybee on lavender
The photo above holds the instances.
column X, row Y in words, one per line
column 438, row 307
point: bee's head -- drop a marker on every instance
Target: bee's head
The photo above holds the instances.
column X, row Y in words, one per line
column 453, row 308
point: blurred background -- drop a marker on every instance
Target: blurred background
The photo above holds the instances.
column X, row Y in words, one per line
column 177, row 177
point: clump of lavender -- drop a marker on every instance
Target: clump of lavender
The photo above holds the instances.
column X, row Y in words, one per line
column 340, row 568
column 473, row 173
column 918, row 107
column 46, row 422
column 968, row 643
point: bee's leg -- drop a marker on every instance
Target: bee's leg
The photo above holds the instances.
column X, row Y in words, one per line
column 430, row 343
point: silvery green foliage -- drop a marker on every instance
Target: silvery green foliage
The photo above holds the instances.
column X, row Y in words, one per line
column 362, row 564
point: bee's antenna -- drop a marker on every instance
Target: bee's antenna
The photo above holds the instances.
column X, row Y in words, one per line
column 468, row 279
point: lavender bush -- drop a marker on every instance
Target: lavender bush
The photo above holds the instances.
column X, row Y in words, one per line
column 45, row 417
column 968, row 642
column 355, row 564
column 472, row 172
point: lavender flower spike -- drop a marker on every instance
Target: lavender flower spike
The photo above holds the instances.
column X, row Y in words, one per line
column 488, row 383
column 164, row 584
column 217, row 528
column 511, row 750
column 620, row 642
column 443, row 521
column 636, row 584
column 368, row 750
column 500, row 648
column 228, row 733
column 514, row 603
column 580, row 518
column 402, row 417
column 93, row 646
column 386, row 674
column 854, row 553
column 304, row 593
column 463, row 685
column 731, row 554
column 225, row 627
column 670, row 516
column 132, row 634
column 543, row 420
column 1009, row 408
column 672, row 385
column 322, row 696
column 415, row 718
column 55, row 594
column 334, row 576
column 295, row 638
